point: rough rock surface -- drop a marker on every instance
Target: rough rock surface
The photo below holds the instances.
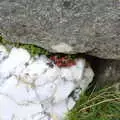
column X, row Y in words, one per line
column 32, row 89
column 107, row 72
column 69, row 26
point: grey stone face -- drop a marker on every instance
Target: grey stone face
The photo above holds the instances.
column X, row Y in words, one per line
column 69, row 26
column 107, row 72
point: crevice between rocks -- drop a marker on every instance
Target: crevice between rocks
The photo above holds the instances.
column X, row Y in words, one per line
column 107, row 71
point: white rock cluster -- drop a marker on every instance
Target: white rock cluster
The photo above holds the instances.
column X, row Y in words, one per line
column 36, row 89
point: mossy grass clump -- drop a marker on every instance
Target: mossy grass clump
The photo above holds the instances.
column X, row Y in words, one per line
column 99, row 105
column 32, row 49
column 35, row 50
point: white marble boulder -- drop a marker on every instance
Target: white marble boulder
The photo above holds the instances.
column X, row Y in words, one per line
column 30, row 89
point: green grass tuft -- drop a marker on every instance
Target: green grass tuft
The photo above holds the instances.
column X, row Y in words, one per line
column 99, row 105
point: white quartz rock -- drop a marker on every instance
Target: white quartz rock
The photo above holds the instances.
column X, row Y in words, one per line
column 50, row 75
column 40, row 116
column 77, row 70
column 63, row 90
column 30, row 112
column 87, row 78
column 39, row 90
column 74, row 73
column 59, row 110
column 9, row 110
column 66, row 73
column 46, row 91
column 40, row 72
column 16, row 58
column 3, row 52
column 18, row 101
column 7, row 107
column 44, row 58
column 20, row 92
column 34, row 71
column 70, row 103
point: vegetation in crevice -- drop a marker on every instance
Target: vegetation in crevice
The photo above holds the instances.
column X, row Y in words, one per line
column 32, row 49
column 35, row 50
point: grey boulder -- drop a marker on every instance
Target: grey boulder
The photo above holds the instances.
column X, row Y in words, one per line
column 64, row 26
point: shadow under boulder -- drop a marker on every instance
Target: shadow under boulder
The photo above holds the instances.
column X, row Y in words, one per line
column 107, row 72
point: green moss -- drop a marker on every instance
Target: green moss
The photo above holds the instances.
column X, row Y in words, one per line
column 3, row 41
column 100, row 105
column 32, row 49
column 35, row 50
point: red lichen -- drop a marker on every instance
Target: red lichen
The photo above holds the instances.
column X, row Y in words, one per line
column 63, row 61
